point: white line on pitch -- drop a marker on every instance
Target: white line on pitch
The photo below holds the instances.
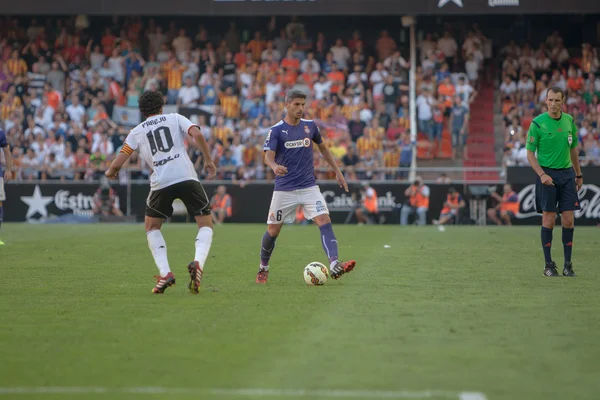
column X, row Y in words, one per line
column 365, row 394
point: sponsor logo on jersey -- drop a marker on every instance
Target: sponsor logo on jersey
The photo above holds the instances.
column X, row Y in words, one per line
column 295, row 144
column 531, row 139
column 570, row 139
column 307, row 129
column 165, row 160
column 320, row 206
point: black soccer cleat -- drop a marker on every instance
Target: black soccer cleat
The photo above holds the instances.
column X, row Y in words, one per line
column 341, row 268
column 568, row 270
column 550, row 269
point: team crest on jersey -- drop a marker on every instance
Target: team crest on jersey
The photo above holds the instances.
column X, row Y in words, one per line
column 306, row 129
column 559, row 129
column 531, row 139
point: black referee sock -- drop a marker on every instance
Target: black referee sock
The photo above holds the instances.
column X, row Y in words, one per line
column 547, row 243
column 567, row 239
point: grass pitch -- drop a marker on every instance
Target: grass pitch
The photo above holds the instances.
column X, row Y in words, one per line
column 466, row 310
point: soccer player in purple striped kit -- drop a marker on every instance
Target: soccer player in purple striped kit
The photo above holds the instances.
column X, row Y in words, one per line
column 5, row 175
column 289, row 154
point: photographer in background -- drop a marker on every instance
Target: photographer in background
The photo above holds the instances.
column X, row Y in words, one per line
column 106, row 201
column 418, row 202
column 452, row 207
column 507, row 207
column 368, row 212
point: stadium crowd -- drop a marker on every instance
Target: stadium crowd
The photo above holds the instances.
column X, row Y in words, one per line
column 61, row 80
column 528, row 71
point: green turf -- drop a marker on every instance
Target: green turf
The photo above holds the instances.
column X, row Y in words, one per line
column 463, row 310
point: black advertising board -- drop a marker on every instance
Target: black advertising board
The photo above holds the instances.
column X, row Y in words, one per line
column 299, row 7
column 589, row 202
column 250, row 204
column 34, row 202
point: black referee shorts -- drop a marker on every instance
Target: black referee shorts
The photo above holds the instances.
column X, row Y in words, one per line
column 160, row 202
column 562, row 196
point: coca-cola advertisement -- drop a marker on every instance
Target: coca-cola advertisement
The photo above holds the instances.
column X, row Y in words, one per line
column 589, row 201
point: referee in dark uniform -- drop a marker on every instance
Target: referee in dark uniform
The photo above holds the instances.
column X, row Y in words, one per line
column 553, row 135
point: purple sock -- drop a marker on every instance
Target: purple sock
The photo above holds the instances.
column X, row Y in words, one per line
column 329, row 242
column 1, row 214
column 266, row 248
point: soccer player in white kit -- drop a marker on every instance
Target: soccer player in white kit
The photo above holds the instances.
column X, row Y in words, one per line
column 289, row 153
column 160, row 141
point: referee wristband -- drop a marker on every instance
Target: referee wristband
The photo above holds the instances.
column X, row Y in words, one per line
column 543, row 174
column 579, row 177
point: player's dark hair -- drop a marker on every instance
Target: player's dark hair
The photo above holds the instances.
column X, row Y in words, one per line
column 294, row 94
column 151, row 103
column 555, row 89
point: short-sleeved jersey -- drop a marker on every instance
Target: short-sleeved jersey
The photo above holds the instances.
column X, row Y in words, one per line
column 160, row 142
column 553, row 140
column 293, row 149
column 3, row 144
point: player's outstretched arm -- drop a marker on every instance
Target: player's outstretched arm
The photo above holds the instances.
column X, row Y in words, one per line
column 200, row 142
column 339, row 177
column 117, row 164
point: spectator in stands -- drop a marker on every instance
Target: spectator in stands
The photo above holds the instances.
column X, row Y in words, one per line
column 418, row 202
column 459, row 121
column 507, row 207
column 549, row 65
column 67, row 83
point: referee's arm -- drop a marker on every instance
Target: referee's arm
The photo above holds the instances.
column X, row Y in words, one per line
column 533, row 137
column 575, row 157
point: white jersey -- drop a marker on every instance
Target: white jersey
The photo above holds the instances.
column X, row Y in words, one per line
column 160, row 142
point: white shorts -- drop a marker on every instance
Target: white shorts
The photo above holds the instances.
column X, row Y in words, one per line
column 2, row 194
column 284, row 204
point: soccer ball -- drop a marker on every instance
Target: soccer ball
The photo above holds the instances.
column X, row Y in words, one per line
column 315, row 274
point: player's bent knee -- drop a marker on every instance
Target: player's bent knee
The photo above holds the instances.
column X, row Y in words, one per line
column 204, row 221
column 322, row 219
column 274, row 229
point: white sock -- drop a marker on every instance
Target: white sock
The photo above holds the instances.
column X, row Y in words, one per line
column 158, row 247
column 264, row 267
column 203, row 242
